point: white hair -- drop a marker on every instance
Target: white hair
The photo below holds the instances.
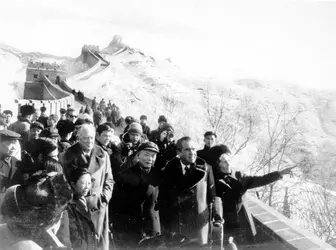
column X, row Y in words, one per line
column 86, row 127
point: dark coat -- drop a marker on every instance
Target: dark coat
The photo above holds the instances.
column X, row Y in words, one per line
column 184, row 200
column 44, row 120
column 168, row 151
column 204, row 153
column 82, row 229
column 133, row 204
column 235, row 210
column 102, row 186
column 154, row 135
column 146, row 130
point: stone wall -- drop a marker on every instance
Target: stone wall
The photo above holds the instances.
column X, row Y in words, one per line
column 35, row 75
column 272, row 225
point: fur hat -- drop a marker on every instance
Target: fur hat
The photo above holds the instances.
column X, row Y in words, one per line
column 135, row 128
column 162, row 118
column 27, row 110
column 39, row 202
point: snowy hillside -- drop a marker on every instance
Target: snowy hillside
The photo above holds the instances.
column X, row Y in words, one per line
column 140, row 84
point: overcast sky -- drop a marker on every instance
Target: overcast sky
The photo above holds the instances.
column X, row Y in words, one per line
column 291, row 41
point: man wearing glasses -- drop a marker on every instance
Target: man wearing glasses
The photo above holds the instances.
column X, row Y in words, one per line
column 71, row 115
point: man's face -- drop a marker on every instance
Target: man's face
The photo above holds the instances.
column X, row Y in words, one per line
column 161, row 124
column 134, row 137
column 188, row 152
column 146, row 158
column 143, row 121
column 8, row 147
column 51, row 122
column 86, row 139
column 8, row 119
column 35, row 133
column 105, row 137
column 210, row 140
column 224, row 160
column 71, row 116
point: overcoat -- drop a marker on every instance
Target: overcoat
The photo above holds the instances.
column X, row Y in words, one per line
column 232, row 191
column 184, row 200
column 134, row 204
column 100, row 168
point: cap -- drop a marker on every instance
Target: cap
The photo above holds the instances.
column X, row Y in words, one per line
column 150, row 146
column 143, row 117
column 50, row 133
column 6, row 135
column 36, row 125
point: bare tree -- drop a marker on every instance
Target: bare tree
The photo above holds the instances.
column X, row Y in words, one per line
column 231, row 117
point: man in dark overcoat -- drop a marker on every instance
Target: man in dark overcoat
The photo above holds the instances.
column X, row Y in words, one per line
column 85, row 154
column 186, row 192
column 133, row 205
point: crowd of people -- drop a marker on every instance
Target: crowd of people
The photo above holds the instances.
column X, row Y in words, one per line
column 67, row 180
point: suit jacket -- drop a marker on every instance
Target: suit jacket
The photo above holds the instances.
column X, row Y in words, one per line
column 100, row 168
column 184, row 200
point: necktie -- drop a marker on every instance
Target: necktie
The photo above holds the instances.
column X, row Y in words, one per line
column 187, row 170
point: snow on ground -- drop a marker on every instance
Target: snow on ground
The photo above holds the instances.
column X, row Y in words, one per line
column 140, row 84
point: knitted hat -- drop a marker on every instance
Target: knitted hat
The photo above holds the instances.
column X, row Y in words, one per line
column 39, row 202
column 135, row 128
column 167, row 127
column 27, row 110
column 216, row 152
column 162, row 118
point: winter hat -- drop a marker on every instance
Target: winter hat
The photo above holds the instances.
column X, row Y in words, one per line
column 36, row 125
column 39, row 202
column 215, row 153
column 167, row 127
column 150, row 146
column 143, row 117
column 43, row 146
column 129, row 119
column 162, row 118
column 135, row 127
column 8, row 112
column 27, row 110
column 65, row 127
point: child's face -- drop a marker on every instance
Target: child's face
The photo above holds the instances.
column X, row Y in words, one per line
column 83, row 185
